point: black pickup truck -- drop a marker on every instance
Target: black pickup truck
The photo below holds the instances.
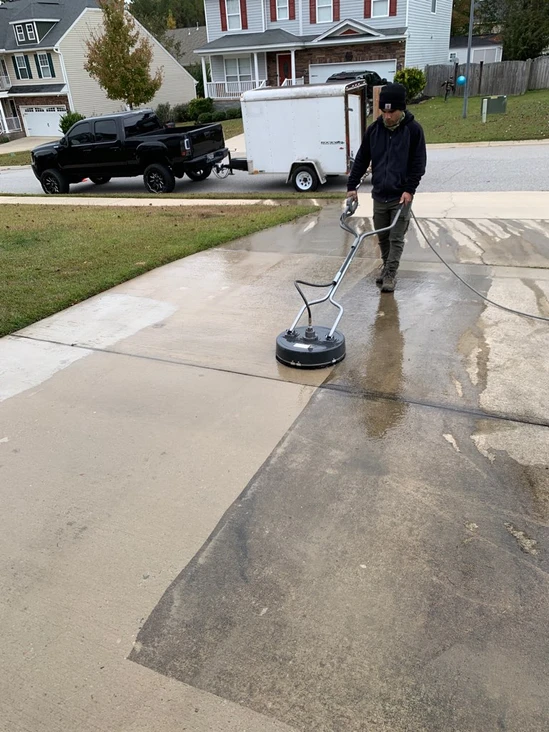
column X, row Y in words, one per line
column 128, row 144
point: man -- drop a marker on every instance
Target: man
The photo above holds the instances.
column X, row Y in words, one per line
column 395, row 145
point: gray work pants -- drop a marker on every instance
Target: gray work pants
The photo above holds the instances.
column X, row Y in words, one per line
column 391, row 242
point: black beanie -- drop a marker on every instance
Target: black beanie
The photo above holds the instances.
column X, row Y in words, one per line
column 391, row 97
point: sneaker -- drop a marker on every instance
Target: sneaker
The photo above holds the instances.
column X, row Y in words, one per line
column 381, row 274
column 389, row 282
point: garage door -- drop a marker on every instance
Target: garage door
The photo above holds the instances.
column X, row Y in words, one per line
column 318, row 73
column 42, row 121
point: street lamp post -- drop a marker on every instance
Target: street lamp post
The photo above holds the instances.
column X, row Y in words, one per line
column 467, row 68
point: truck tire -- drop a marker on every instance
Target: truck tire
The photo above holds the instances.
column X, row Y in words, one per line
column 54, row 182
column 101, row 181
column 158, row 179
column 305, row 179
column 199, row 174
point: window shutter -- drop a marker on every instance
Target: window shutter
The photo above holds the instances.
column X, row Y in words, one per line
column 367, row 8
column 243, row 15
column 392, row 7
column 312, row 11
column 273, row 11
column 28, row 66
column 292, row 9
column 336, row 10
column 52, row 69
column 38, row 69
column 17, row 74
column 223, row 14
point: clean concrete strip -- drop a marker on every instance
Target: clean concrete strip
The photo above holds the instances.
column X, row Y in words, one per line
column 89, row 201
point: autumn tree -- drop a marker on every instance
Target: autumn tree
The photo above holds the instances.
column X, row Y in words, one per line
column 119, row 58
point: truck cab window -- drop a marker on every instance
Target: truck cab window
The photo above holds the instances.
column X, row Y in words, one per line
column 81, row 135
column 105, row 131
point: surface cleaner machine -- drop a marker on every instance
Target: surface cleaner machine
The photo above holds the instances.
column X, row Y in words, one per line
column 318, row 346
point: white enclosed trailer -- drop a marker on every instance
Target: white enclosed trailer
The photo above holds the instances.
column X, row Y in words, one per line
column 306, row 132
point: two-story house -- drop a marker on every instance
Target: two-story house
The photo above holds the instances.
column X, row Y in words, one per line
column 255, row 43
column 42, row 56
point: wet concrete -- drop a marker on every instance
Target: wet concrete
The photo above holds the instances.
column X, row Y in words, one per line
column 378, row 564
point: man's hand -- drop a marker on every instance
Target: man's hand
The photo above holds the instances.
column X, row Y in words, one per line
column 406, row 198
column 353, row 195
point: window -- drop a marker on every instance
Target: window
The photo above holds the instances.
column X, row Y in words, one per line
column 282, row 10
column 20, row 33
column 81, row 135
column 433, row 6
column 323, row 11
column 44, row 66
column 22, row 67
column 380, row 8
column 233, row 15
column 238, row 69
column 105, row 131
column 141, row 124
column 31, row 35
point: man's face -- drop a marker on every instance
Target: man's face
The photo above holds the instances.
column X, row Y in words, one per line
column 391, row 118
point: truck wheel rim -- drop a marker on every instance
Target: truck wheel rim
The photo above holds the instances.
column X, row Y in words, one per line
column 51, row 184
column 156, row 182
column 304, row 181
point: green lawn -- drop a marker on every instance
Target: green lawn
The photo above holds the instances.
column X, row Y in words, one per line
column 52, row 257
column 16, row 158
column 527, row 118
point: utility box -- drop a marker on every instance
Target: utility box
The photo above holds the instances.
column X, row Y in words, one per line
column 493, row 105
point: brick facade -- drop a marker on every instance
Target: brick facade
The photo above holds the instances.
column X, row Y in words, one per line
column 338, row 54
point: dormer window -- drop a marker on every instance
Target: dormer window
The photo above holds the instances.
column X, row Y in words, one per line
column 20, row 33
column 31, row 35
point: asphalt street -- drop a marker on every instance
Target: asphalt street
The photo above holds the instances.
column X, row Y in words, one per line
column 502, row 168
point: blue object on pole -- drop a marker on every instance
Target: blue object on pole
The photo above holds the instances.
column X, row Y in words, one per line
column 461, row 80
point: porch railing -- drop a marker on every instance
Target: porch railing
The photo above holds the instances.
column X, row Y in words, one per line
column 13, row 124
column 231, row 89
column 294, row 82
column 5, row 82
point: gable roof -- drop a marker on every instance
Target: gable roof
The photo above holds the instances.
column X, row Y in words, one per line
column 65, row 11
column 277, row 37
column 189, row 39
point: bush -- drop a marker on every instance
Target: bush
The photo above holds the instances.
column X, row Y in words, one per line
column 180, row 113
column 199, row 106
column 3, row 139
column 205, row 118
column 68, row 120
column 234, row 113
column 219, row 116
column 413, row 80
column 164, row 113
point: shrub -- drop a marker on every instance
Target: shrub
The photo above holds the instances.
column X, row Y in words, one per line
column 68, row 120
column 164, row 113
column 199, row 106
column 234, row 113
column 205, row 118
column 219, row 116
column 180, row 113
column 413, row 80
column 3, row 139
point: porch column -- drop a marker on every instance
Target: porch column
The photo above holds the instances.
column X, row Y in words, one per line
column 256, row 66
column 204, row 76
column 3, row 117
column 293, row 65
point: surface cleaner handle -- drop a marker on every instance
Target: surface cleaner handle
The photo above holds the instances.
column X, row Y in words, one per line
column 351, row 205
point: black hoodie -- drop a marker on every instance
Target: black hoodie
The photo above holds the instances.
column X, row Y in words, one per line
column 398, row 159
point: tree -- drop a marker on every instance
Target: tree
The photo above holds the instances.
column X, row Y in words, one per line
column 525, row 29
column 152, row 15
column 120, row 59
column 171, row 24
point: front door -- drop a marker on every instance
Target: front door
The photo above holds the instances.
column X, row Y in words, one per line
column 284, row 61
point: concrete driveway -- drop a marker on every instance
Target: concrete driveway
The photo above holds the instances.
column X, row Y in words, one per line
column 25, row 143
column 198, row 538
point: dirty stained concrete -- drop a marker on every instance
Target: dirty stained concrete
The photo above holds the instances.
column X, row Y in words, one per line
column 198, row 536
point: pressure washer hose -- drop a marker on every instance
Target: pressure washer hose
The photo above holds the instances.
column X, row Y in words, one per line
column 486, row 299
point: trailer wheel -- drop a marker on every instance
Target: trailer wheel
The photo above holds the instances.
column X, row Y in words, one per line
column 158, row 179
column 305, row 179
